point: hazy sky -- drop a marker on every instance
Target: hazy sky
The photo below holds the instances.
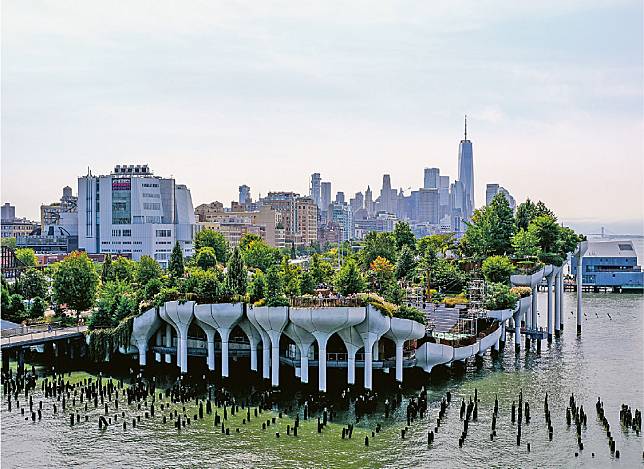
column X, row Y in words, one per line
column 262, row 93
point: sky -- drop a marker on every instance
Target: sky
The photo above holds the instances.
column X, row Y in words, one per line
column 219, row 94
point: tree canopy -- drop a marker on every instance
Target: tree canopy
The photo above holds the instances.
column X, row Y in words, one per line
column 491, row 229
column 214, row 240
column 75, row 282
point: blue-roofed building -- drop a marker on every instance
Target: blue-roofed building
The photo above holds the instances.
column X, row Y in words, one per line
column 611, row 264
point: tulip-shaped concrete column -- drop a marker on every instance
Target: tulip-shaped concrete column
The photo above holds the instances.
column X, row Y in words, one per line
column 561, row 303
column 400, row 331
column 266, row 343
column 222, row 317
column 533, row 308
column 550, row 279
column 143, row 328
column 517, row 328
column 322, row 323
column 303, row 340
column 168, row 341
column 353, row 343
column 583, row 247
column 371, row 330
column 557, row 302
column 158, row 341
column 273, row 321
column 179, row 315
column 254, row 338
column 210, row 337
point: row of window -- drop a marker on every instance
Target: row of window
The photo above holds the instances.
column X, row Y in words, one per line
column 151, row 206
column 149, row 195
column 124, row 232
column 164, row 233
column 148, row 184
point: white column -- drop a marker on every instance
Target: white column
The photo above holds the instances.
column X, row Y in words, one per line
column 322, row 340
column 210, row 336
column 557, row 303
column 351, row 366
column 168, row 342
column 143, row 348
column 502, row 337
column 368, row 368
column 304, row 365
column 225, row 334
column 253, row 356
column 399, row 360
column 550, row 279
column 158, row 341
column 561, row 303
column 184, row 351
column 579, row 289
column 376, row 350
column 533, row 309
column 275, row 361
column 517, row 334
column 266, row 357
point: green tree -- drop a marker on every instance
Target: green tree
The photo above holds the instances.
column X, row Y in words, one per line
column 446, row 277
column 525, row 243
column 274, row 288
column 259, row 255
column 257, row 288
column 546, row 230
column 33, row 283
column 403, row 236
column 406, row 264
column 107, row 273
column 8, row 242
column 126, row 269
column 75, row 282
column 207, row 285
column 38, row 307
column 307, row 283
column 146, row 270
column 567, row 241
column 152, row 288
column 16, row 312
column 248, row 238
column 215, row 240
column 206, row 258
column 290, row 278
column 349, row 279
column 321, row 270
column 526, row 211
column 236, row 273
column 377, row 244
column 381, row 274
column 394, row 293
column 175, row 266
column 497, row 269
column 491, row 229
column 27, row 256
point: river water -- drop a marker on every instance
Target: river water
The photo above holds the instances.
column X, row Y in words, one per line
column 607, row 361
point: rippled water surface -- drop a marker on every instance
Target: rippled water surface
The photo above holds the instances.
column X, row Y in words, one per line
column 606, row 361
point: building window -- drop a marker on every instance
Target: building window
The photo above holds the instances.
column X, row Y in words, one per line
column 151, row 206
column 164, row 233
column 153, row 219
column 126, row 233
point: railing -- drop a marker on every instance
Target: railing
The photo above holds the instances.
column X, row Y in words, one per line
column 316, row 302
column 40, row 331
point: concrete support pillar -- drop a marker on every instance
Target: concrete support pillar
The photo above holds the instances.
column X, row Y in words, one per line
column 496, row 344
column 579, row 289
column 21, row 361
column 550, row 279
column 517, row 334
column 322, row 340
column 253, row 356
column 210, row 337
column 533, row 309
column 557, row 303
column 158, row 341
column 376, row 350
column 143, row 349
column 225, row 335
column 502, row 337
column 399, row 360
column 184, row 350
column 368, row 368
column 304, row 365
column 168, row 342
column 561, row 303
column 266, row 357
column 351, row 367
column 275, row 360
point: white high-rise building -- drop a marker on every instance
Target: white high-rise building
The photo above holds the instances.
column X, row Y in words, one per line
column 315, row 189
column 132, row 211
column 466, row 173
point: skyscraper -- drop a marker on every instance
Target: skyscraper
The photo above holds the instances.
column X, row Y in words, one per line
column 466, row 173
column 368, row 202
column 492, row 189
column 431, row 179
column 325, row 196
column 339, row 197
column 315, row 188
column 244, row 194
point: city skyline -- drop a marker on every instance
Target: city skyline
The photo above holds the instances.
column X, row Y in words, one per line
column 385, row 95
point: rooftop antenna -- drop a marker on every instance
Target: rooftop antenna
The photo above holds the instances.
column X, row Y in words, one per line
column 465, row 126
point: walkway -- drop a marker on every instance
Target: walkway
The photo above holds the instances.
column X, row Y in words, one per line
column 36, row 335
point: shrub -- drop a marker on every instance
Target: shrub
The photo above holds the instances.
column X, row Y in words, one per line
column 522, row 292
column 497, row 269
column 451, row 301
column 409, row 312
column 551, row 258
column 498, row 296
column 378, row 302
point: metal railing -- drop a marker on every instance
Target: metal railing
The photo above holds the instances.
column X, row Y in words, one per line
column 316, row 302
column 39, row 331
